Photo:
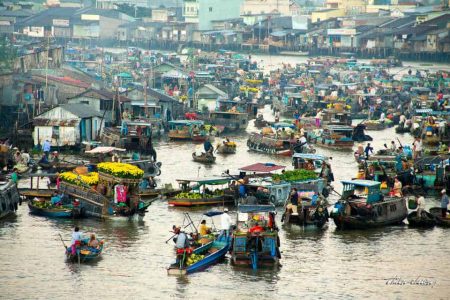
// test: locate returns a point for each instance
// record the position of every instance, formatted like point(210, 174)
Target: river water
point(329, 264)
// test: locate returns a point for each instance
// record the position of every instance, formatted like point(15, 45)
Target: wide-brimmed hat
point(443, 191)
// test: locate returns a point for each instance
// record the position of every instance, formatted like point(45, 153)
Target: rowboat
point(226, 148)
point(84, 253)
point(426, 221)
point(203, 158)
point(212, 253)
point(440, 221)
point(44, 208)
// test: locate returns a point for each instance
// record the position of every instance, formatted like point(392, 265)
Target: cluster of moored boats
point(314, 105)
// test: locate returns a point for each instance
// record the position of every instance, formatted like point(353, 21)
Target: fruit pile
point(199, 195)
point(194, 258)
point(42, 204)
point(295, 175)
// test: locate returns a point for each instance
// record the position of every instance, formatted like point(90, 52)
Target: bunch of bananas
point(189, 196)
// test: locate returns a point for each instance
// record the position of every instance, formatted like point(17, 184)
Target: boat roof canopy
point(282, 124)
point(362, 182)
point(103, 149)
point(262, 168)
point(206, 180)
point(255, 208)
point(310, 156)
point(213, 213)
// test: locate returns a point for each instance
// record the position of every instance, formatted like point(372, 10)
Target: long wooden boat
point(203, 158)
point(335, 137)
point(229, 148)
point(308, 215)
point(369, 209)
point(84, 253)
point(43, 208)
point(440, 221)
point(212, 253)
point(9, 198)
point(426, 221)
point(260, 248)
point(188, 202)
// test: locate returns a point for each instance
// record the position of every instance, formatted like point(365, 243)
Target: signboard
point(61, 22)
point(86, 17)
point(342, 31)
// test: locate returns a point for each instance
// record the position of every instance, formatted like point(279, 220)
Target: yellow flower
point(120, 170)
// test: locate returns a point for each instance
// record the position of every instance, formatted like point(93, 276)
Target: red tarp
point(262, 168)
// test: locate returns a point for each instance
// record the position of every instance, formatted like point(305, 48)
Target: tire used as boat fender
point(272, 199)
point(379, 210)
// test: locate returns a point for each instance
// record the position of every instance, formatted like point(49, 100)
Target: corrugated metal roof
point(81, 110)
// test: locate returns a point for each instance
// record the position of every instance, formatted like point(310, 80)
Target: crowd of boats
point(314, 106)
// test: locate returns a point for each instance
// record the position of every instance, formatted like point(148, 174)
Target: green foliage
point(295, 175)
point(7, 53)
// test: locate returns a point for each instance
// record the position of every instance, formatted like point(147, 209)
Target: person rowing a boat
point(208, 147)
point(77, 236)
point(182, 245)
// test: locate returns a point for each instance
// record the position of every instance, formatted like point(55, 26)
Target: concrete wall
point(217, 10)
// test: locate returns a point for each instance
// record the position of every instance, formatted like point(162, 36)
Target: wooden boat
point(402, 129)
point(336, 137)
point(9, 198)
point(369, 208)
point(440, 221)
point(44, 208)
point(426, 221)
point(203, 158)
point(85, 253)
point(211, 253)
point(308, 214)
point(226, 148)
point(255, 248)
point(377, 125)
point(202, 194)
point(187, 130)
point(260, 122)
point(231, 121)
point(36, 193)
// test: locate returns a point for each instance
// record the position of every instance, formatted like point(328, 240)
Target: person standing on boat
point(208, 147)
point(367, 150)
point(417, 148)
point(46, 147)
point(225, 223)
point(203, 229)
point(397, 190)
point(420, 205)
point(77, 236)
point(294, 202)
point(444, 203)
point(393, 146)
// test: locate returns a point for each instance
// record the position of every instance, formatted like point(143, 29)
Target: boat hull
point(206, 262)
point(203, 158)
point(440, 221)
point(198, 202)
point(54, 212)
point(427, 220)
point(9, 199)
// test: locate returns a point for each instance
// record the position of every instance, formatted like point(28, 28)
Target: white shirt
point(421, 202)
point(382, 116)
point(225, 221)
point(402, 119)
point(303, 140)
point(76, 236)
point(418, 145)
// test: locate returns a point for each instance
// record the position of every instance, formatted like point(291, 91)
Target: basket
point(110, 178)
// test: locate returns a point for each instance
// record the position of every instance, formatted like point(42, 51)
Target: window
point(106, 104)
point(210, 9)
point(55, 132)
point(85, 102)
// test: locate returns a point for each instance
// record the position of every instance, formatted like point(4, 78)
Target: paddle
point(64, 244)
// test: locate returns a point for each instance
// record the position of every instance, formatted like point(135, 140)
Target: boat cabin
point(187, 129)
point(308, 160)
point(361, 189)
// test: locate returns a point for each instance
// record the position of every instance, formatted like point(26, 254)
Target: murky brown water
point(326, 264)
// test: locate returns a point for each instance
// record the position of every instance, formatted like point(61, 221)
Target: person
point(294, 202)
point(25, 157)
point(397, 188)
point(367, 150)
point(55, 199)
point(126, 114)
point(144, 184)
point(225, 223)
point(208, 147)
point(402, 120)
point(93, 242)
point(417, 148)
point(182, 240)
point(46, 147)
point(256, 228)
point(382, 117)
point(393, 146)
point(77, 236)
point(55, 157)
point(303, 143)
point(135, 156)
point(444, 203)
point(18, 157)
point(15, 176)
point(203, 229)
point(420, 205)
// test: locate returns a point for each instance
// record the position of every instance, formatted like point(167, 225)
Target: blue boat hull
point(53, 213)
point(205, 262)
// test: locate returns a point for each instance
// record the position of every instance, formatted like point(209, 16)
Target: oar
point(64, 244)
